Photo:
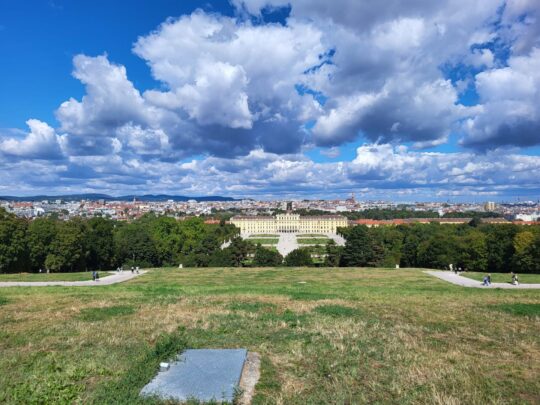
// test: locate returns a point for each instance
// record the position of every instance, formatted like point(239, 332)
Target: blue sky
point(41, 38)
point(271, 98)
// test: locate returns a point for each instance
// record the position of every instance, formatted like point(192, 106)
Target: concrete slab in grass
point(204, 375)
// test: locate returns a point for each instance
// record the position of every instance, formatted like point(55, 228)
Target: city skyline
point(272, 99)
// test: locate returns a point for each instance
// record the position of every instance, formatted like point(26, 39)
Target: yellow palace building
point(289, 223)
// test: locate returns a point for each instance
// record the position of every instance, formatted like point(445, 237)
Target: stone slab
point(204, 375)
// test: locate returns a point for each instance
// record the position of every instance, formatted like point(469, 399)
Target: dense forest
point(100, 243)
point(473, 246)
point(152, 241)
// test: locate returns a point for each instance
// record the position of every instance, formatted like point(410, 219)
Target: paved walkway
point(469, 282)
point(112, 279)
point(340, 241)
point(287, 243)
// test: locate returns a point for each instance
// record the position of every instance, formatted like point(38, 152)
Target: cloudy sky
point(415, 100)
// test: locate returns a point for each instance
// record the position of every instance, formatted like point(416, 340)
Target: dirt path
point(112, 279)
point(469, 282)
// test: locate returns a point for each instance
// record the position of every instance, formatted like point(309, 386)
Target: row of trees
point(100, 243)
point(475, 247)
point(243, 253)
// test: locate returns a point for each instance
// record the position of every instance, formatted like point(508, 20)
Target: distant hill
point(95, 196)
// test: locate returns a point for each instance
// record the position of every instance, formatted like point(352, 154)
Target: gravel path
point(112, 279)
point(469, 282)
point(287, 243)
point(340, 241)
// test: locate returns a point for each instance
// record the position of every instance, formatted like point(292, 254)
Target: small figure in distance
point(132, 269)
point(485, 281)
point(137, 269)
point(97, 276)
point(94, 275)
point(489, 278)
point(515, 280)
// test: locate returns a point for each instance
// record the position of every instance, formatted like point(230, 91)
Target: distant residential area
point(370, 213)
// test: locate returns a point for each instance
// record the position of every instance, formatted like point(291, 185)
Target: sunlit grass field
point(325, 336)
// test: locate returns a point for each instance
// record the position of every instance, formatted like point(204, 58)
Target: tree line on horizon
point(99, 243)
point(472, 247)
point(475, 246)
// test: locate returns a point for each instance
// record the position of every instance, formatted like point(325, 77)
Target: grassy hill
point(325, 336)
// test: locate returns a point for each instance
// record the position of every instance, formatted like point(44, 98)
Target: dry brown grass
point(346, 336)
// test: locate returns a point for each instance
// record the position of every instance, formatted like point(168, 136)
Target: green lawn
point(312, 241)
point(264, 235)
point(325, 336)
point(264, 241)
point(503, 277)
point(87, 275)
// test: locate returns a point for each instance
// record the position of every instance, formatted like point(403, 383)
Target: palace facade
point(289, 223)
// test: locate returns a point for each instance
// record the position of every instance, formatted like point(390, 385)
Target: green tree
point(500, 245)
point(388, 243)
point(362, 248)
point(266, 258)
point(524, 256)
point(41, 233)
point(238, 251)
point(437, 252)
point(168, 238)
point(473, 255)
point(13, 244)
point(202, 252)
point(221, 258)
point(134, 246)
point(299, 257)
point(100, 244)
point(67, 250)
point(333, 254)
point(535, 252)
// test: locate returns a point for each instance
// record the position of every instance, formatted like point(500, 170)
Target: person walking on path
point(94, 275)
point(515, 280)
point(97, 276)
point(487, 281)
